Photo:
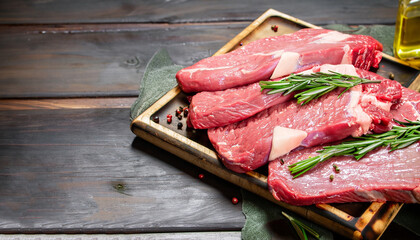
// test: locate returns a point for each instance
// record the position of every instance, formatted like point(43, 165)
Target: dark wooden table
point(68, 160)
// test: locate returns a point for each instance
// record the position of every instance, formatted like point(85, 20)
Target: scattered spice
point(241, 44)
point(331, 178)
point(281, 161)
point(235, 200)
point(200, 176)
point(169, 119)
point(274, 28)
point(336, 169)
point(156, 119)
point(179, 116)
point(179, 125)
point(185, 111)
point(178, 112)
point(391, 76)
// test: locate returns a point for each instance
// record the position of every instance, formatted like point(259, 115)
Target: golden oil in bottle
point(407, 30)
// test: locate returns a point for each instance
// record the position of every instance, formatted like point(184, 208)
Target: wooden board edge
point(375, 220)
point(251, 186)
point(415, 85)
point(267, 14)
point(397, 60)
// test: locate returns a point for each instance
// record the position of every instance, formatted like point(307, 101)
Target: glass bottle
point(407, 30)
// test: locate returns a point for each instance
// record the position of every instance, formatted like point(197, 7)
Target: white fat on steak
point(331, 37)
point(346, 69)
point(285, 140)
point(287, 64)
point(346, 57)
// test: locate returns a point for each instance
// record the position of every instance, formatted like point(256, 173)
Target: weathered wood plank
point(73, 171)
point(72, 103)
point(228, 235)
point(79, 11)
point(49, 62)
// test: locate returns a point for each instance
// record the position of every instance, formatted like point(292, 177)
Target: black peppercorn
point(391, 76)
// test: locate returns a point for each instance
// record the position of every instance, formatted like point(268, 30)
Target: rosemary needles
point(301, 228)
point(312, 86)
point(398, 137)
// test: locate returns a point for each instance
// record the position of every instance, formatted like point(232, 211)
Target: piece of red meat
point(379, 176)
point(220, 108)
point(293, 52)
point(246, 145)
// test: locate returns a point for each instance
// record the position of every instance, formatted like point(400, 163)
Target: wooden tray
point(353, 220)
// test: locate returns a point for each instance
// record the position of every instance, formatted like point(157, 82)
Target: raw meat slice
point(258, 60)
point(379, 176)
point(220, 108)
point(246, 145)
point(408, 107)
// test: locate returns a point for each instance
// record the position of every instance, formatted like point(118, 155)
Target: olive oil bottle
point(407, 30)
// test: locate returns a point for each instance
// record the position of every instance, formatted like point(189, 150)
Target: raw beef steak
point(246, 145)
point(379, 176)
point(220, 108)
point(279, 56)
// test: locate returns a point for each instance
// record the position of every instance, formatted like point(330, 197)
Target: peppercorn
point(186, 112)
point(281, 161)
point(235, 200)
point(179, 116)
point(240, 44)
point(179, 125)
point(200, 176)
point(391, 76)
point(331, 178)
point(156, 119)
point(274, 28)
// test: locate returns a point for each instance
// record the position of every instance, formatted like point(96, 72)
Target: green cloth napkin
point(383, 33)
point(263, 218)
point(158, 79)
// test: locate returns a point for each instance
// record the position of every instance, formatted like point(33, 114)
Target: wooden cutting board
point(352, 220)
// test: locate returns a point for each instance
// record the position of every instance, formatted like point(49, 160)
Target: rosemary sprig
point(398, 137)
point(301, 228)
point(313, 85)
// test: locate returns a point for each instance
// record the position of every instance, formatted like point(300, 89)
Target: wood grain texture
point(72, 171)
point(228, 235)
point(100, 63)
point(71, 103)
point(180, 11)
